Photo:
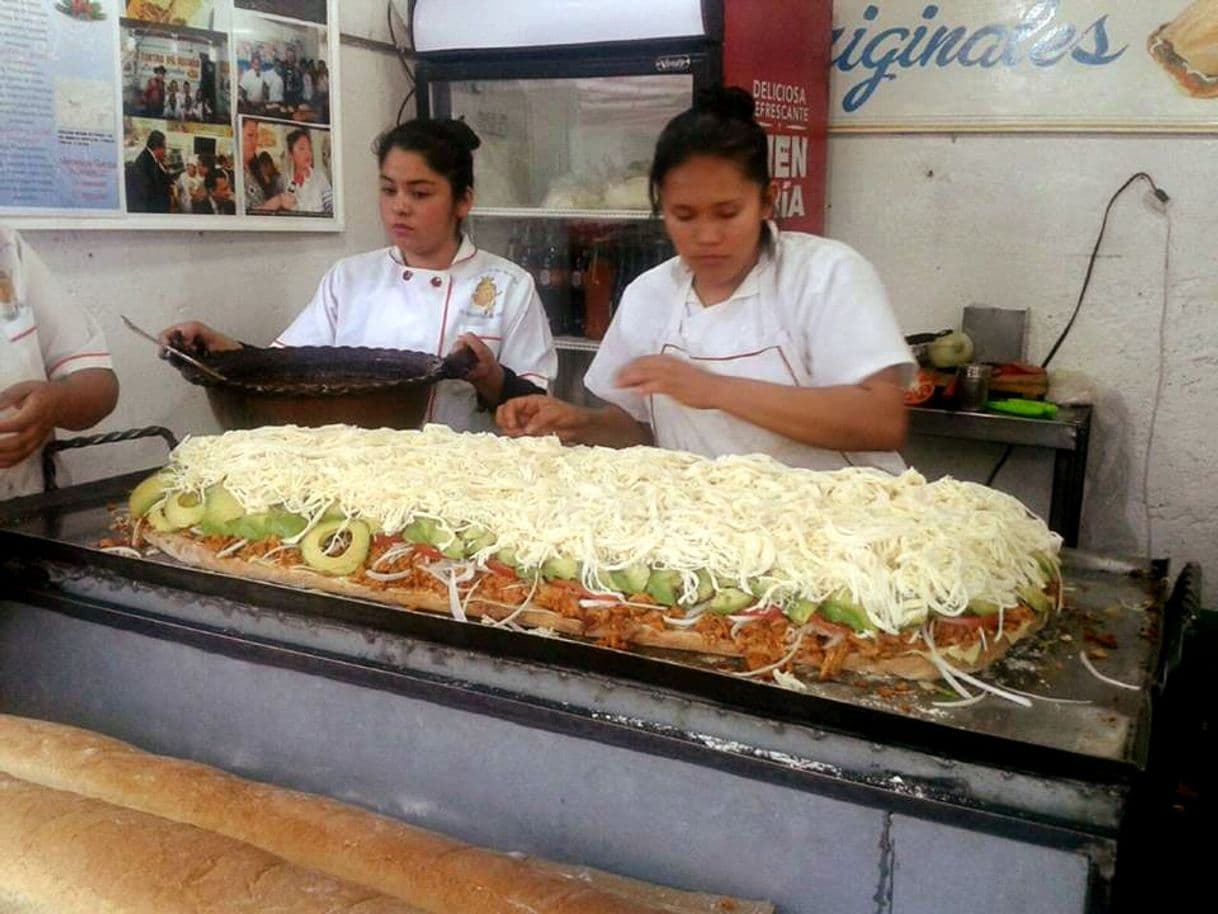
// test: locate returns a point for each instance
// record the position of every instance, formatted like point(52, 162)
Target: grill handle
point(67, 444)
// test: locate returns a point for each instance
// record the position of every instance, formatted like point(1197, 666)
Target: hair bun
point(457, 132)
point(728, 102)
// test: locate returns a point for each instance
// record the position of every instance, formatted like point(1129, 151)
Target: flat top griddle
point(1093, 731)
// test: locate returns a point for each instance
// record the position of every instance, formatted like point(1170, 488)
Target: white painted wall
point(1004, 220)
point(248, 284)
point(1010, 221)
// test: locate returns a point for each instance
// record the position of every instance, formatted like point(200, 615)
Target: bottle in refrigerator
point(598, 291)
point(513, 248)
point(629, 263)
point(552, 282)
point(576, 301)
point(526, 257)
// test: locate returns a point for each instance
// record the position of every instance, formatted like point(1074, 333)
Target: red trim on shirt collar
point(431, 399)
point(72, 358)
point(24, 333)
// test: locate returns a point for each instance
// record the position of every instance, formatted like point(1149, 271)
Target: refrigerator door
point(562, 145)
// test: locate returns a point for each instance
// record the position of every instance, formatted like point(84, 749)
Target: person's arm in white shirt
point(867, 416)
point(857, 358)
point(78, 401)
point(620, 423)
point(81, 390)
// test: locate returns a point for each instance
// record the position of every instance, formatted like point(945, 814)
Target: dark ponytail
point(446, 145)
point(721, 124)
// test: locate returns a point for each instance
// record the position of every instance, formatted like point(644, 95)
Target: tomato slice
point(819, 623)
point(574, 586)
point(921, 389)
point(497, 567)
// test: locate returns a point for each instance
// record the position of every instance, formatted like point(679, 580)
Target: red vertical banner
point(778, 50)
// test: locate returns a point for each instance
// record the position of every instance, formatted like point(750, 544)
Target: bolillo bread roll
point(62, 853)
point(436, 873)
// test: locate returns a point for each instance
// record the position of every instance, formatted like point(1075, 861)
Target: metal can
point(973, 386)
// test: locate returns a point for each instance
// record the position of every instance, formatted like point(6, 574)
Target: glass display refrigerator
point(568, 98)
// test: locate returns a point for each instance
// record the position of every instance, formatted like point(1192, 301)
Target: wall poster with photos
point(171, 114)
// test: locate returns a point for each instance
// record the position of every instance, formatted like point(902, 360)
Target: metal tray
point(1117, 606)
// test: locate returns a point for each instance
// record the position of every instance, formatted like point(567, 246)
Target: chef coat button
point(406, 274)
point(437, 281)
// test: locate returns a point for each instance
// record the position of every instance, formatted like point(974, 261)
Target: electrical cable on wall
point(404, 51)
point(1158, 399)
point(1163, 198)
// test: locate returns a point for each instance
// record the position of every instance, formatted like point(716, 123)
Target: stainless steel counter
point(1068, 436)
point(839, 800)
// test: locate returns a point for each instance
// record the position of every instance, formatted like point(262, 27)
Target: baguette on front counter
point(430, 871)
point(63, 853)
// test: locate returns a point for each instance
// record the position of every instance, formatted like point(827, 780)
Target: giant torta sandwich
point(792, 571)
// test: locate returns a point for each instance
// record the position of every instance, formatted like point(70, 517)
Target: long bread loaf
point(63, 853)
point(431, 871)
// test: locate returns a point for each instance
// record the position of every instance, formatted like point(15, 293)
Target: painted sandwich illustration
point(1187, 47)
point(793, 573)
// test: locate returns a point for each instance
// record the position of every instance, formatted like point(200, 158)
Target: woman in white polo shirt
point(55, 369)
point(751, 340)
point(432, 290)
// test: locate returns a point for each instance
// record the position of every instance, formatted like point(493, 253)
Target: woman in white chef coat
point(751, 340)
point(432, 290)
point(55, 368)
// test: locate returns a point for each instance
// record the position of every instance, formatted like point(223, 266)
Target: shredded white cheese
point(899, 546)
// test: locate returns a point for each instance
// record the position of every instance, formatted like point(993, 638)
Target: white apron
point(20, 360)
point(743, 340)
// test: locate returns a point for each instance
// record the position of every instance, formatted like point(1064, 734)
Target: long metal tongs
point(188, 359)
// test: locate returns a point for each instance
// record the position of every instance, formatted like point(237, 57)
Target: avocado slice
point(183, 509)
point(313, 547)
point(1035, 598)
point(220, 508)
point(256, 527)
point(424, 531)
point(252, 527)
point(759, 587)
point(148, 493)
point(730, 600)
point(706, 586)
point(421, 531)
point(799, 611)
point(559, 567)
point(507, 557)
point(983, 607)
point(285, 524)
point(665, 586)
point(476, 539)
point(453, 548)
point(631, 579)
point(1049, 565)
point(842, 610)
point(156, 517)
